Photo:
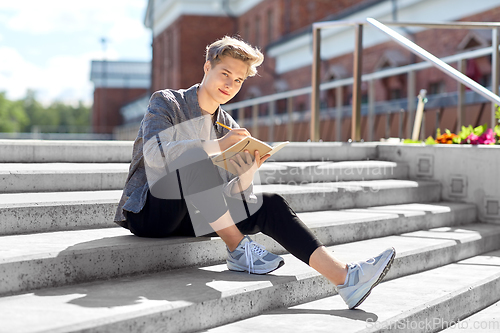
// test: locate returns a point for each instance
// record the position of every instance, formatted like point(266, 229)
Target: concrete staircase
point(65, 267)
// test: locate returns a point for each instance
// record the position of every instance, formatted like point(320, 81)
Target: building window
point(270, 26)
point(301, 107)
point(257, 31)
point(437, 88)
point(364, 98)
point(246, 31)
point(170, 50)
point(485, 80)
point(395, 94)
point(288, 16)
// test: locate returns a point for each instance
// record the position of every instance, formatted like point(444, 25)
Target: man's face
point(225, 79)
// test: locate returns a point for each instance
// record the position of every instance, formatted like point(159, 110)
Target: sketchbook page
point(250, 143)
point(278, 147)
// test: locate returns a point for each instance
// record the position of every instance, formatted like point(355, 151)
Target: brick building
point(116, 83)
point(282, 29)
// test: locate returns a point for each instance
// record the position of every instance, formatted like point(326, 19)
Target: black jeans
point(271, 215)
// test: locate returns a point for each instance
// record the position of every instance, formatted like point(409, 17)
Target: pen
point(227, 127)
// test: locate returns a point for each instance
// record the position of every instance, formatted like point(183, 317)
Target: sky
point(48, 45)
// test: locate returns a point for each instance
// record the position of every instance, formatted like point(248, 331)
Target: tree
point(25, 114)
point(13, 117)
point(39, 116)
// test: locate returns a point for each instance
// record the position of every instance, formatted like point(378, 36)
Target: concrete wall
point(467, 173)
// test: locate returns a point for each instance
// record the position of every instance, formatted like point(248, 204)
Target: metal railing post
point(255, 120)
point(495, 71)
point(437, 121)
point(316, 63)
point(289, 125)
point(356, 93)
point(272, 111)
point(371, 108)
point(423, 129)
point(338, 121)
point(412, 95)
point(400, 123)
point(461, 66)
point(388, 118)
point(241, 115)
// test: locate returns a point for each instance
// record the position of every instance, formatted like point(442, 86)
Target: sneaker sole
point(382, 275)
point(256, 272)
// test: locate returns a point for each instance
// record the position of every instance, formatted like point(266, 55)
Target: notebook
point(249, 143)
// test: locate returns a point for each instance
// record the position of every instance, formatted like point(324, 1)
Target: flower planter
point(468, 173)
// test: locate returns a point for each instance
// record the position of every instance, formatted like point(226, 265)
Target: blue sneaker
point(253, 258)
point(363, 276)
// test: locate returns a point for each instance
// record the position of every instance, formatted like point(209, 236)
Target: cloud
point(126, 29)
point(43, 17)
point(13, 71)
point(64, 78)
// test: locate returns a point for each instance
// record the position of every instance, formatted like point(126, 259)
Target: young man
point(174, 189)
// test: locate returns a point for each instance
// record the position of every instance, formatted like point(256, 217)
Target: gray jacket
point(166, 110)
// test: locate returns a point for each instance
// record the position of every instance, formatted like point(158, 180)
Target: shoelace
point(357, 264)
point(257, 248)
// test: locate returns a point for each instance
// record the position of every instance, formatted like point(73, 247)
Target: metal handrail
point(356, 102)
point(445, 25)
point(349, 81)
point(357, 78)
point(440, 25)
point(438, 63)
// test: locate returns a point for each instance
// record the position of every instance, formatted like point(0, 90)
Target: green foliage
point(466, 131)
point(13, 117)
point(430, 141)
point(411, 141)
point(480, 129)
point(497, 127)
point(457, 139)
point(69, 116)
point(25, 114)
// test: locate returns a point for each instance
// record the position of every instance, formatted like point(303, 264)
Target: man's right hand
point(233, 136)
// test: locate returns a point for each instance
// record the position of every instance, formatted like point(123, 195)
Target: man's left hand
point(246, 167)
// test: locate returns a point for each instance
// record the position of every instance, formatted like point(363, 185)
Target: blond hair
point(237, 49)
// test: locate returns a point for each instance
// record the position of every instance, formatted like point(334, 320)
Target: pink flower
point(472, 139)
point(487, 137)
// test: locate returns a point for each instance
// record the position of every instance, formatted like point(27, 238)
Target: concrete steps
point(61, 177)
point(199, 298)
point(484, 321)
point(58, 258)
point(428, 301)
point(22, 213)
point(310, 172)
point(43, 151)
point(355, 194)
point(60, 250)
point(55, 211)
